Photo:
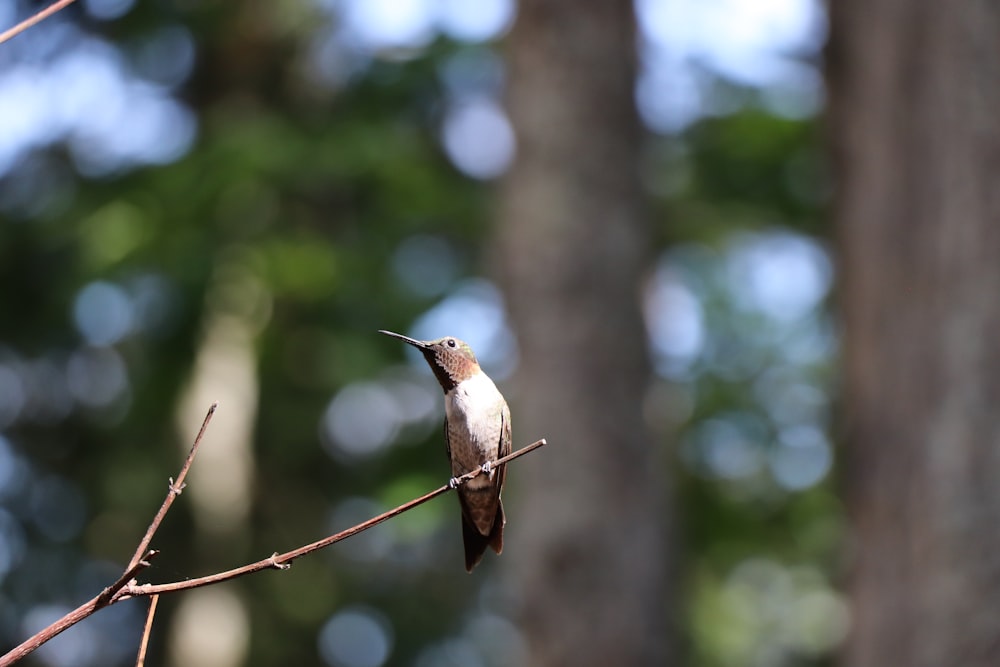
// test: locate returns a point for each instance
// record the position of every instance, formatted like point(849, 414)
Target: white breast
point(474, 410)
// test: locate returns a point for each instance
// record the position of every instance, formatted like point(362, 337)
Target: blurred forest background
point(624, 209)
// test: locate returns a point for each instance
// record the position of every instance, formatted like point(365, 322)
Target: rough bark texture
point(915, 93)
point(586, 537)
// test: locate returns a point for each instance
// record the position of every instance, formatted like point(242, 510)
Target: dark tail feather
point(476, 543)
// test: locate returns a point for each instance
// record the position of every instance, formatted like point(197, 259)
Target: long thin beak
point(406, 339)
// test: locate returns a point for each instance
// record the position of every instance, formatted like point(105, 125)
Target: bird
point(477, 432)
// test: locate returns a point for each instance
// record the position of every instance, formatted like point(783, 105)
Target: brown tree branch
point(32, 20)
point(283, 561)
point(125, 588)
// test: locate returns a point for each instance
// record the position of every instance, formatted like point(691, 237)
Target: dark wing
point(447, 440)
point(504, 446)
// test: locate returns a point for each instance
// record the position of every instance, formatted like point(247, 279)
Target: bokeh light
point(765, 613)
point(58, 508)
point(475, 21)
point(102, 313)
point(770, 46)
point(747, 308)
point(779, 274)
point(358, 421)
point(479, 139)
point(365, 418)
point(72, 87)
point(107, 10)
point(356, 637)
point(675, 321)
point(802, 458)
point(389, 24)
point(97, 377)
point(749, 311)
point(728, 446)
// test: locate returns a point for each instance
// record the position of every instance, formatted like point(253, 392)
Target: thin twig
point(174, 489)
point(283, 561)
point(140, 659)
point(32, 20)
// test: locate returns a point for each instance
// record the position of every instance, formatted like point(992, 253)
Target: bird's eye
point(451, 342)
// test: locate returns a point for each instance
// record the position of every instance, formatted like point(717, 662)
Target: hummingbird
point(476, 432)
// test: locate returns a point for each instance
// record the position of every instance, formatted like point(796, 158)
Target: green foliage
point(760, 558)
point(286, 213)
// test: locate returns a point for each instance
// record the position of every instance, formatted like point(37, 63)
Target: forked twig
point(139, 562)
point(128, 576)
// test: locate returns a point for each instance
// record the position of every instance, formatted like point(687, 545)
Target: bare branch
point(139, 562)
point(32, 20)
point(283, 561)
point(125, 587)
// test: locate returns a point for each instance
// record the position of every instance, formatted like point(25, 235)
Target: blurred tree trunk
point(587, 524)
point(915, 91)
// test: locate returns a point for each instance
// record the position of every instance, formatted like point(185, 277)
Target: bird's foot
point(453, 483)
point(487, 467)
